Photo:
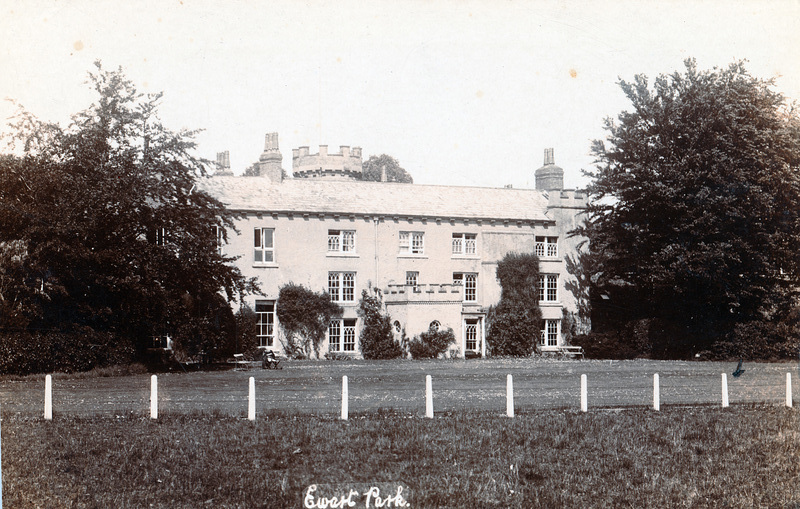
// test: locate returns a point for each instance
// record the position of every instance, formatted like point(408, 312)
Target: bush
point(759, 340)
point(376, 339)
point(512, 330)
point(606, 345)
point(431, 344)
point(25, 352)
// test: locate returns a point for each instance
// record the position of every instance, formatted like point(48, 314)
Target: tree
point(376, 339)
point(695, 208)
point(304, 316)
point(116, 236)
point(373, 168)
point(514, 325)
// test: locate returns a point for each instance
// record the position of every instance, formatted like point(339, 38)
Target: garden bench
point(572, 351)
point(240, 361)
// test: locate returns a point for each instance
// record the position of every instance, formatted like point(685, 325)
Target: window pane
point(348, 241)
point(334, 332)
point(348, 286)
point(457, 244)
point(470, 244)
point(333, 285)
point(267, 237)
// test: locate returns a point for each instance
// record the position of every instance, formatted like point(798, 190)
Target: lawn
point(102, 450)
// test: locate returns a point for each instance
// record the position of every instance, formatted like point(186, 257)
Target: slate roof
point(256, 194)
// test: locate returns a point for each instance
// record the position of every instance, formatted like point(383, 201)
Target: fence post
point(656, 393)
point(789, 390)
point(584, 395)
point(48, 397)
point(251, 400)
point(724, 390)
point(509, 396)
point(345, 398)
point(153, 397)
point(428, 397)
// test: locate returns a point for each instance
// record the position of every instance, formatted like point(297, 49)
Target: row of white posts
point(251, 400)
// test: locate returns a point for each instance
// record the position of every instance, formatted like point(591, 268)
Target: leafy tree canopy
point(372, 168)
point(695, 209)
point(105, 225)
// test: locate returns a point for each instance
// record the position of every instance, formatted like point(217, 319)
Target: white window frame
point(465, 244)
point(548, 287)
point(342, 335)
point(470, 282)
point(265, 325)
point(342, 286)
point(546, 247)
point(342, 241)
point(412, 243)
point(412, 278)
point(551, 333)
point(263, 254)
point(471, 334)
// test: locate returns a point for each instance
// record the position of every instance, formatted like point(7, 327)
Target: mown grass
point(742, 456)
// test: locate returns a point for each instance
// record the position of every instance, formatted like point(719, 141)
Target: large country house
point(432, 251)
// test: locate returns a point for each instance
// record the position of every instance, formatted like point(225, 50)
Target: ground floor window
point(550, 332)
point(265, 326)
point(342, 335)
point(471, 333)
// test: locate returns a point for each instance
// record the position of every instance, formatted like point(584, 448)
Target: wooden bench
point(240, 361)
point(572, 351)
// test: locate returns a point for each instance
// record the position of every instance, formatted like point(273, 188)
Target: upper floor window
point(264, 245)
point(470, 282)
point(465, 244)
point(342, 286)
point(219, 238)
point(412, 243)
point(341, 241)
point(548, 288)
point(265, 326)
point(546, 247)
point(412, 278)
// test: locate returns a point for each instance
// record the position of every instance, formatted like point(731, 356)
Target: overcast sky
point(465, 93)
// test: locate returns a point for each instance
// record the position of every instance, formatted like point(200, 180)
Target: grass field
point(101, 449)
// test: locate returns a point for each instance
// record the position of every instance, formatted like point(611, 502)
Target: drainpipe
point(375, 222)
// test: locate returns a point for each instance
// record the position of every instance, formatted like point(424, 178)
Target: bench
point(572, 351)
point(240, 361)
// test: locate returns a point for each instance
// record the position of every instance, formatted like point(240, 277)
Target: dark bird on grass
point(739, 369)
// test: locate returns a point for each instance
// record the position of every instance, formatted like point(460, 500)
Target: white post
point(153, 397)
point(345, 397)
point(656, 395)
point(251, 400)
point(789, 390)
point(584, 395)
point(48, 397)
point(509, 396)
point(428, 397)
point(724, 390)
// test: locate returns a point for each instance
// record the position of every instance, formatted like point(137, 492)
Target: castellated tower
point(224, 164)
point(269, 164)
point(344, 165)
point(549, 177)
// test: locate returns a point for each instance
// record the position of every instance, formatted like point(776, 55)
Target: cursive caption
point(338, 499)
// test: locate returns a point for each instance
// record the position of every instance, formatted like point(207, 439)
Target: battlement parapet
point(567, 198)
point(345, 164)
point(445, 292)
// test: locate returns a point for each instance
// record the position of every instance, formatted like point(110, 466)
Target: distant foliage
point(514, 325)
point(305, 317)
point(432, 343)
point(376, 339)
point(373, 168)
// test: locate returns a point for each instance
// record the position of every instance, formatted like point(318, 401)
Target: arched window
point(397, 327)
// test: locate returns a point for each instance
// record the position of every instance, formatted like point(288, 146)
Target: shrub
point(431, 344)
point(608, 345)
point(759, 340)
point(515, 324)
point(304, 316)
point(25, 352)
point(512, 330)
point(376, 339)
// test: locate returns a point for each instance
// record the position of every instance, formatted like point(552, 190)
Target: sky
point(459, 92)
